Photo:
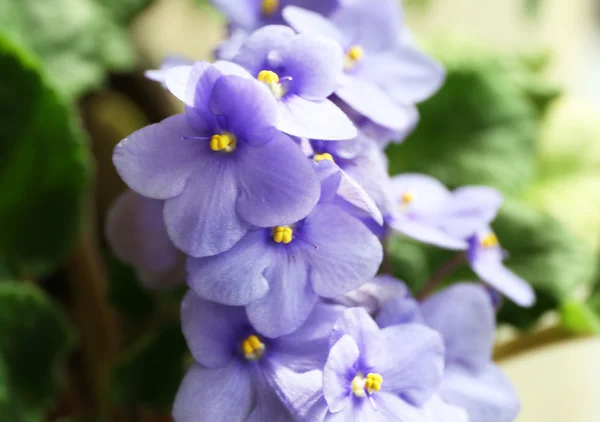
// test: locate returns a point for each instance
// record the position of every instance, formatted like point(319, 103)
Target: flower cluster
point(270, 198)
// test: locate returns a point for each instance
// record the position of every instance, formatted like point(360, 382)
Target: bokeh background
point(81, 340)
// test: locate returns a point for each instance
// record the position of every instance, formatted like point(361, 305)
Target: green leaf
point(44, 168)
point(481, 127)
point(126, 293)
point(579, 317)
point(77, 40)
point(36, 337)
point(151, 371)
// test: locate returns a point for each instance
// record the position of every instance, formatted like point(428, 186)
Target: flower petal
point(347, 253)
point(427, 233)
point(234, 277)
point(210, 392)
point(413, 362)
point(393, 408)
point(305, 21)
point(485, 395)
point(427, 194)
point(354, 194)
point(210, 329)
point(277, 183)
point(264, 42)
point(357, 323)
point(314, 119)
point(338, 373)
point(243, 14)
point(399, 310)
point(157, 161)
point(290, 299)
point(202, 220)
point(440, 411)
point(463, 314)
point(374, 294)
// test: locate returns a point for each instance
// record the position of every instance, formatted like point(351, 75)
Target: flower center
point(271, 79)
point(253, 348)
point(490, 240)
point(225, 142)
point(269, 7)
point(353, 55)
point(282, 234)
point(405, 200)
point(324, 156)
point(361, 386)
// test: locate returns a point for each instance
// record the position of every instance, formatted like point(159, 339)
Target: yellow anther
point(269, 7)
point(282, 234)
point(490, 240)
point(223, 142)
point(373, 382)
point(324, 156)
point(407, 198)
point(253, 348)
point(353, 55)
point(268, 76)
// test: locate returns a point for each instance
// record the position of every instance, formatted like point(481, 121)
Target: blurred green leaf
point(579, 317)
point(35, 338)
point(151, 371)
point(126, 293)
point(482, 126)
point(44, 166)
point(77, 40)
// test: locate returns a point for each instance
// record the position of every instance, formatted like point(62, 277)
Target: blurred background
point(81, 340)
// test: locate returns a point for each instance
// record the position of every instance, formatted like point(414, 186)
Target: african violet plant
point(270, 198)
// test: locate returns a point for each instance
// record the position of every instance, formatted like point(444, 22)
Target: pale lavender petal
point(277, 183)
point(358, 411)
point(158, 75)
point(244, 14)
point(374, 294)
point(399, 310)
point(354, 194)
point(210, 392)
point(347, 254)
point(427, 194)
point(439, 411)
point(230, 47)
point(202, 220)
point(314, 119)
point(392, 408)
point(463, 314)
point(339, 372)
point(177, 78)
point(231, 68)
point(263, 48)
point(211, 330)
point(485, 395)
point(157, 161)
point(234, 277)
point(290, 299)
point(357, 323)
point(315, 64)
point(426, 232)
point(305, 21)
point(201, 82)
point(413, 363)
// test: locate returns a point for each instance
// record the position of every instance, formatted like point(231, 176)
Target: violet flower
point(137, 234)
point(485, 256)
point(384, 73)
point(222, 167)
point(301, 71)
point(278, 273)
point(239, 373)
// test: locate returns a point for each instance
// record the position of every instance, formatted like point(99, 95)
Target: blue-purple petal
point(338, 373)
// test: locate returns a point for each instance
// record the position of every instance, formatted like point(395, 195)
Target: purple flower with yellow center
point(465, 317)
point(278, 273)
point(253, 14)
point(301, 71)
point(485, 256)
point(239, 373)
point(136, 232)
point(374, 374)
point(423, 208)
point(384, 72)
point(222, 167)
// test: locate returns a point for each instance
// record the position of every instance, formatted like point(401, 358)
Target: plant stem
point(445, 270)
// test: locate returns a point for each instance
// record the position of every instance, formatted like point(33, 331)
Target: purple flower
point(464, 315)
point(170, 62)
point(278, 273)
point(253, 14)
point(380, 375)
point(384, 73)
point(240, 374)
point(222, 167)
point(423, 208)
point(485, 256)
point(137, 234)
point(301, 71)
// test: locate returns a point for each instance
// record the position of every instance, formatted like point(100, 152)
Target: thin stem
point(444, 271)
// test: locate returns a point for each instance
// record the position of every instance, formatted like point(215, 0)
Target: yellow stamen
point(253, 348)
point(354, 54)
point(282, 234)
point(490, 240)
point(268, 76)
point(361, 385)
point(223, 142)
point(324, 156)
point(269, 7)
point(373, 382)
point(407, 198)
